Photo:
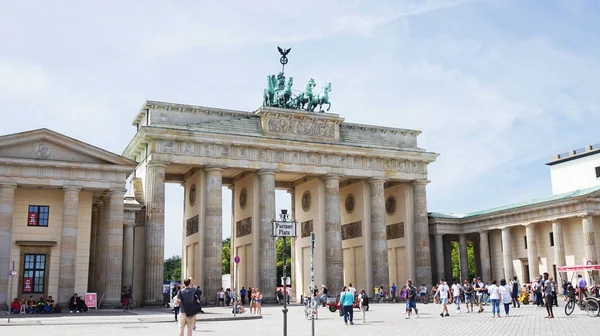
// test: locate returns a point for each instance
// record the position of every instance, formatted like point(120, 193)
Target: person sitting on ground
point(51, 306)
point(31, 304)
point(24, 308)
point(239, 308)
point(15, 306)
point(40, 305)
point(74, 303)
point(81, 304)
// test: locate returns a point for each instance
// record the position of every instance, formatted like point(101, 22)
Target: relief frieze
point(243, 227)
point(301, 127)
point(394, 231)
point(307, 228)
point(191, 226)
point(352, 230)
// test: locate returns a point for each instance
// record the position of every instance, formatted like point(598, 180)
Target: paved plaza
point(383, 319)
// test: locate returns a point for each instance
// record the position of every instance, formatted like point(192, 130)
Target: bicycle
point(588, 304)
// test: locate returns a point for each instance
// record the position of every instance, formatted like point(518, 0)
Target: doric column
point(100, 257)
point(333, 234)
point(68, 244)
point(463, 260)
point(439, 256)
point(267, 262)
point(559, 246)
point(93, 244)
point(484, 252)
point(421, 231)
point(532, 256)
point(155, 230)
point(114, 247)
point(128, 245)
point(409, 233)
point(379, 257)
point(213, 232)
point(589, 239)
point(7, 199)
point(507, 253)
point(292, 193)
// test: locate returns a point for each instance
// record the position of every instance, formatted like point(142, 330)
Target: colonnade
point(508, 249)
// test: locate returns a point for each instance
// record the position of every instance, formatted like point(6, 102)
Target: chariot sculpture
point(279, 93)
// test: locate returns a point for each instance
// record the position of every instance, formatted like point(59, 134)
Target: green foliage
point(455, 257)
point(226, 256)
point(172, 269)
point(288, 258)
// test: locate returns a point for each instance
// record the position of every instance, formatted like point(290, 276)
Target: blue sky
point(496, 86)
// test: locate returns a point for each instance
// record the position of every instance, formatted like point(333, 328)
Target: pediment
point(44, 144)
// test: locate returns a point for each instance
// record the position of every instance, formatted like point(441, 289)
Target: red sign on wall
point(90, 300)
point(27, 285)
point(32, 218)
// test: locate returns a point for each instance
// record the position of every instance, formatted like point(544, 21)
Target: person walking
point(494, 293)
point(243, 295)
point(393, 292)
point(468, 290)
point(547, 288)
point(506, 296)
point(456, 294)
point(364, 304)
point(411, 299)
point(443, 292)
point(554, 292)
point(189, 301)
point(346, 302)
point(515, 293)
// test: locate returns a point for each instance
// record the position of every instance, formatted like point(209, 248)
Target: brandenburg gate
point(360, 188)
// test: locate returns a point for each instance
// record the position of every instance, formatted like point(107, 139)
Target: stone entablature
point(548, 212)
point(275, 122)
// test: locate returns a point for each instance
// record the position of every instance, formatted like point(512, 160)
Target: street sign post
point(284, 228)
point(12, 274)
point(236, 260)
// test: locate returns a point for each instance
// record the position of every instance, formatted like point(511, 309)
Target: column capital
point(505, 228)
point(129, 223)
point(116, 191)
point(267, 172)
point(8, 185)
point(374, 180)
point(331, 177)
point(71, 188)
point(420, 182)
point(158, 164)
point(213, 168)
point(530, 225)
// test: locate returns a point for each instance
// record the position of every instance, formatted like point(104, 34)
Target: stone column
point(439, 256)
point(421, 231)
point(589, 239)
point(409, 233)
point(7, 199)
point(559, 246)
point(463, 259)
point(267, 263)
point(379, 257)
point(68, 244)
point(333, 235)
point(507, 253)
point(484, 253)
point(114, 248)
point(532, 256)
point(292, 193)
point(213, 232)
point(128, 248)
point(93, 244)
point(100, 257)
point(155, 232)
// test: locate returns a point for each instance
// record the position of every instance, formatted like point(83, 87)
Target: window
point(597, 172)
point(38, 215)
point(34, 273)
point(551, 238)
point(525, 240)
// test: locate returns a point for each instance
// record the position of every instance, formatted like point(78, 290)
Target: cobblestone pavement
point(382, 320)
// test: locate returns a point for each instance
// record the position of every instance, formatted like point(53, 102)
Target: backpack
point(365, 300)
point(190, 308)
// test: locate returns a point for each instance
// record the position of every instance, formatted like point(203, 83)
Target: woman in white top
point(505, 293)
point(495, 296)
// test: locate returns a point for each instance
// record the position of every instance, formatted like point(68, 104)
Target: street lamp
point(284, 227)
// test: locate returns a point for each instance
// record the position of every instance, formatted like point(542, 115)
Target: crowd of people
point(46, 305)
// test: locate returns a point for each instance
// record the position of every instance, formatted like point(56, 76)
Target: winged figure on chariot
point(279, 92)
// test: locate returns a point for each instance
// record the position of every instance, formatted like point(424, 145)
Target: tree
point(288, 258)
point(172, 269)
point(455, 257)
point(226, 256)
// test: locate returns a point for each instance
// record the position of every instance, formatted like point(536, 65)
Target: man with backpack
point(515, 293)
point(188, 301)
